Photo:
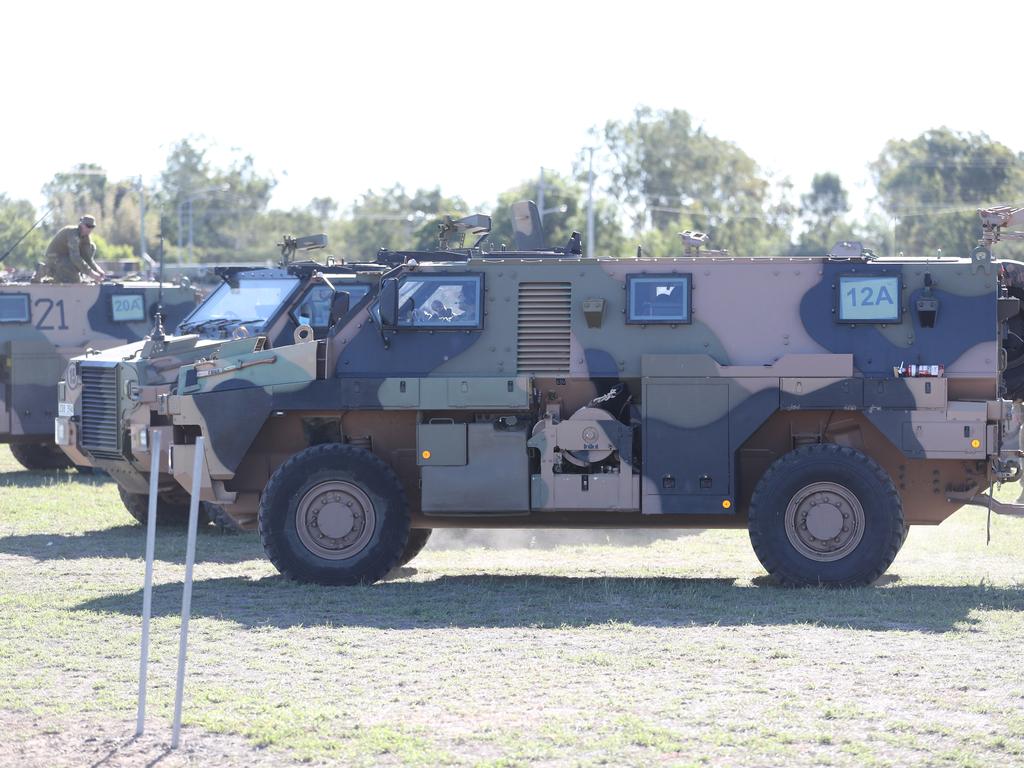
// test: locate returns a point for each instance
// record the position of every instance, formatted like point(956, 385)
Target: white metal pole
point(147, 589)
point(186, 596)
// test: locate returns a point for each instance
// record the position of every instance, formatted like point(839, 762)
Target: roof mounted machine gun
point(451, 233)
point(292, 244)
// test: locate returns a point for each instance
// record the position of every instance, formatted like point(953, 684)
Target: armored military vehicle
point(114, 400)
point(42, 326)
point(823, 403)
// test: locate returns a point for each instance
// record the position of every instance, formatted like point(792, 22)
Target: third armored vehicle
point(42, 326)
point(823, 403)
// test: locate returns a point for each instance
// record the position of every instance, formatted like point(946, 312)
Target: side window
point(314, 309)
point(661, 299)
point(440, 301)
point(127, 307)
point(14, 308)
point(868, 299)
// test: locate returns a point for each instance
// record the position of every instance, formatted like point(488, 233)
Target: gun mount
point(451, 233)
point(290, 245)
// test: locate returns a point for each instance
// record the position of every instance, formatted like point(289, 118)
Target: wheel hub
point(824, 521)
point(335, 519)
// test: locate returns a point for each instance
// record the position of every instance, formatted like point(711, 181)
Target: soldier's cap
point(89, 221)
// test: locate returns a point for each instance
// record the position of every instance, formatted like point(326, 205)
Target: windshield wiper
point(210, 322)
point(216, 324)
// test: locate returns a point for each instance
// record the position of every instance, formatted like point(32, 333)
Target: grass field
point(672, 651)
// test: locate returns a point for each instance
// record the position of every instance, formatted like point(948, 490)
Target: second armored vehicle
point(115, 399)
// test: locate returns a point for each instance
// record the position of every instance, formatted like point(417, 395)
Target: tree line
point(657, 174)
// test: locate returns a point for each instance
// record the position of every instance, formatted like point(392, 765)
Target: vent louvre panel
point(543, 328)
point(99, 425)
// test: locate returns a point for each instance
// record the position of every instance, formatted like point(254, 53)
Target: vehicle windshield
point(252, 302)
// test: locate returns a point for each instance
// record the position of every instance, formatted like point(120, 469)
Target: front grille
point(99, 426)
point(544, 328)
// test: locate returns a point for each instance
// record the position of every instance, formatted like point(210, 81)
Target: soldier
point(71, 254)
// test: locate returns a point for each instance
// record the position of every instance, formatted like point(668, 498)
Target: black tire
point(418, 538)
point(360, 500)
point(171, 507)
point(40, 456)
point(832, 490)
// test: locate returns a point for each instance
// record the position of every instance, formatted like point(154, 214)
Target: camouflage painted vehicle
point(823, 403)
point(42, 326)
point(113, 401)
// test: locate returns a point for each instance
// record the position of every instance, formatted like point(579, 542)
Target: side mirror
point(339, 307)
point(389, 303)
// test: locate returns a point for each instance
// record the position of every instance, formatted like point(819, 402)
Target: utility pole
point(142, 220)
point(181, 227)
point(590, 205)
point(541, 187)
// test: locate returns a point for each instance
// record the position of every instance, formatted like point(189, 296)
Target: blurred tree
point(391, 218)
point(16, 219)
point(323, 208)
point(230, 215)
point(673, 176)
point(932, 185)
point(566, 201)
point(79, 191)
point(224, 203)
point(268, 229)
point(821, 212)
point(562, 200)
point(88, 189)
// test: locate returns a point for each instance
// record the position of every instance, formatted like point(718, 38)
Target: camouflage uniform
point(69, 256)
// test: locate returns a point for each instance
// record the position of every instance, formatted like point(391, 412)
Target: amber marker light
point(975, 443)
point(425, 455)
point(726, 504)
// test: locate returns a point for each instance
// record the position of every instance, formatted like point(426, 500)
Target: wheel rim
point(824, 521)
point(335, 520)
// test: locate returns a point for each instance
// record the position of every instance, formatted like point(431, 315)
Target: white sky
point(474, 97)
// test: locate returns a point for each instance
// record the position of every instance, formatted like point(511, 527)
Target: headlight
point(71, 376)
point(140, 438)
point(60, 432)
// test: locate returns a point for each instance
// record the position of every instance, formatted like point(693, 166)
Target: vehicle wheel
point(38, 456)
point(334, 514)
point(222, 520)
point(826, 515)
point(418, 538)
point(171, 509)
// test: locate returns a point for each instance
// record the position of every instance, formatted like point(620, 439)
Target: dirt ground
point(72, 742)
point(503, 650)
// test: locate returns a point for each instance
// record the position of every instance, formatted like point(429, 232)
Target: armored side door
point(686, 448)
point(35, 367)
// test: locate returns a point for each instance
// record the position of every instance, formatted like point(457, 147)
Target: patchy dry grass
point(674, 651)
